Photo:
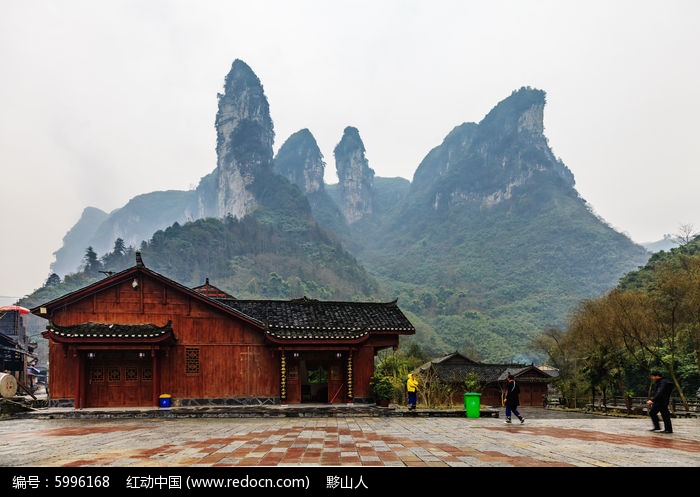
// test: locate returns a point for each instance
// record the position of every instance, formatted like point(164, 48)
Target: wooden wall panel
point(363, 369)
point(225, 371)
point(61, 375)
point(215, 329)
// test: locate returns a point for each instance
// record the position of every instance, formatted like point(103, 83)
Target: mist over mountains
point(488, 245)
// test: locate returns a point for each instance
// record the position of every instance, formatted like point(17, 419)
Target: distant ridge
point(666, 243)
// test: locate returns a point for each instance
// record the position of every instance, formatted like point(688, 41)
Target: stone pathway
point(543, 441)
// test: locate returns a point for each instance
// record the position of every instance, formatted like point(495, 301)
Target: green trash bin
point(472, 404)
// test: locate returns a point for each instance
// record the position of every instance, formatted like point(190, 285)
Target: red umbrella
point(18, 308)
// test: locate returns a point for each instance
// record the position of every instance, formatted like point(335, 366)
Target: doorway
point(316, 377)
point(315, 388)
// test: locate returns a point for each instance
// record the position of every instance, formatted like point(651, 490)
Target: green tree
point(650, 321)
point(119, 258)
point(52, 280)
point(92, 264)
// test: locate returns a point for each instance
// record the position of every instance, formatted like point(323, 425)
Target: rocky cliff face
point(135, 222)
point(300, 161)
point(482, 164)
point(355, 177)
point(68, 257)
point(244, 138)
point(493, 218)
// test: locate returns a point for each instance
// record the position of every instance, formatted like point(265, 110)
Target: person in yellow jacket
point(412, 389)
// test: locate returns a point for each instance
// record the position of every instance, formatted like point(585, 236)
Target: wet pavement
point(548, 438)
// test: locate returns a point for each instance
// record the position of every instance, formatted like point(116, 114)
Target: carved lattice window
point(113, 374)
point(97, 375)
point(131, 374)
point(147, 374)
point(191, 361)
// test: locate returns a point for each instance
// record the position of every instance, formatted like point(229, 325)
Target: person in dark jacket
point(512, 399)
point(659, 402)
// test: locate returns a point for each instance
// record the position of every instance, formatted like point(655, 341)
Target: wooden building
point(136, 335)
point(452, 369)
point(16, 350)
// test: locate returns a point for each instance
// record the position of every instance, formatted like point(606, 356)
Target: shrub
point(472, 382)
point(381, 386)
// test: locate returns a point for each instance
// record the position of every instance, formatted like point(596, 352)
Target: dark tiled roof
point(309, 319)
point(454, 358)
point(453, 368)
point(113, 331)
point(457, 373)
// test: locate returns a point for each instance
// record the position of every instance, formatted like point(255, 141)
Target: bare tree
point(686, 234)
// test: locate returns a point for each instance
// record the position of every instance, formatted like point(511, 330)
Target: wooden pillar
point(156, 378)
point(349, 367)
point(78, 359)
point(283, 378)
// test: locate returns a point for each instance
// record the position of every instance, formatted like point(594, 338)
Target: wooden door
point(118, 379)
point(293, 384)
point(337, 390)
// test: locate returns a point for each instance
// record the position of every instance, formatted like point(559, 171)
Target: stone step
point(297, 410)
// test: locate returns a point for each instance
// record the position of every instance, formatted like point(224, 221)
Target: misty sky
point(101, 101)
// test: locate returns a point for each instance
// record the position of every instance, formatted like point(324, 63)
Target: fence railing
point(638, 405)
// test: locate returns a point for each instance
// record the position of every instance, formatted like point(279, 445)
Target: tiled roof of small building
point(310, 319)
point(453, 368)
point(91, 330)
point(458, 373)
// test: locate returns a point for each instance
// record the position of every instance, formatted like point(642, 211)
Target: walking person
point(412, 390)
point(512, 399)
point(659, 402)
